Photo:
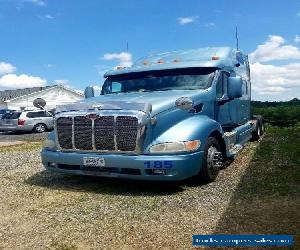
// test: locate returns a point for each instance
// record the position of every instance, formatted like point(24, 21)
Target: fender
point(197, 127)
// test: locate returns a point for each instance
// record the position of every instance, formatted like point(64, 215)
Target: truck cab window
point(222, 85)
point(245, 88)
point(164, 80)
point(116, 87)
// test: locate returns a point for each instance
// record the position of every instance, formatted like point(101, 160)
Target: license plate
point(94, 161)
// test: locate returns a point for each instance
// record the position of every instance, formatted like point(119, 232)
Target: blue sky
point(74, 42)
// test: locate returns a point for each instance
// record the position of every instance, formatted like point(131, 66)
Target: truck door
point(244, 111)
point(223, 115)
point(230, 112)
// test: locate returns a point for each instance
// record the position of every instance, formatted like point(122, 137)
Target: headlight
point(50, 144)
point(171, 147)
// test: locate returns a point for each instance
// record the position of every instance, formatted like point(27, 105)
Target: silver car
point(35, 120)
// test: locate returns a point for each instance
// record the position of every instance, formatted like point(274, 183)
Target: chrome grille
point(83, 133)
point(104, 133)
point(126, 132)
point(64, 132)
point(101, 133)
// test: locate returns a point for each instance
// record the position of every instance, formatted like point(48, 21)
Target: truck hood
point(160, 100)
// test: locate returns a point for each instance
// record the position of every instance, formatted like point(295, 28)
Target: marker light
point(160, 61)
point(171, 147)
point(215, 58)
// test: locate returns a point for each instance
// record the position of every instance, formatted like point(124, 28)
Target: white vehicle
point(37, 121)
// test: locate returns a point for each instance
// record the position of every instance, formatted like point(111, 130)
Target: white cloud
point(280, 80)
point(271, 79)
point(49, 16)
point(274, 49)
point(187, 20)
point(37, 2)
point(124, 58)
point(297, 39)
point(6, 68)
point(11, 81)
point(62, 82)
point(210, 25)
point(48, 65)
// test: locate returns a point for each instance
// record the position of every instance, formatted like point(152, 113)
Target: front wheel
point(212, 160)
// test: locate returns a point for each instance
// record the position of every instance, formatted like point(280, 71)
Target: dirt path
point(41, 210)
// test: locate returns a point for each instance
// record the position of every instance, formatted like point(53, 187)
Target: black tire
point(259, 129)
point(212, 161)
point(40, 128)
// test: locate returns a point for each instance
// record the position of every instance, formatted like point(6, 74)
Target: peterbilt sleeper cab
point(170, 116)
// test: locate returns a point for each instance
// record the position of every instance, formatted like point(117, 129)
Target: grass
point(267, 198)
point(275, 166)
point(22, 147)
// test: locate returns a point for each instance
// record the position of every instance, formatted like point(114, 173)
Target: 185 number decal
point(158, 164)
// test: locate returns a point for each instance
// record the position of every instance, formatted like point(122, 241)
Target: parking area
point(48, 210)
point(43, 210)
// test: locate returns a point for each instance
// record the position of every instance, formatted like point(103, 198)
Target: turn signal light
point(192, 145)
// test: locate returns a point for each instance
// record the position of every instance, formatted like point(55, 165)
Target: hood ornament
point(97, 106)
point(92, 116)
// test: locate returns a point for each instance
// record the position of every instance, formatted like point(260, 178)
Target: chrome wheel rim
point(214, 160)
point(40, 128)
point(259, 131)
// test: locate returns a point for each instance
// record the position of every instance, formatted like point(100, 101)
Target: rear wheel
point(40, 128)
point(212, 160)
point(259, 129)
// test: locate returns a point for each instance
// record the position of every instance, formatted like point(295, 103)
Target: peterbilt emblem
point(92, 116)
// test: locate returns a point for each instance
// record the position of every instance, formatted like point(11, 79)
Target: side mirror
point(235, 87)
point(89, 92)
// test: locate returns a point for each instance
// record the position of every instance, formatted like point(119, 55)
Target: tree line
point(281, 114)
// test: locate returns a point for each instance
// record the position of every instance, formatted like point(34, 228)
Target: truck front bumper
point(182, 167)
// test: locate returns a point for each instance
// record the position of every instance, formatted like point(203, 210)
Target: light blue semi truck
point(168, 117)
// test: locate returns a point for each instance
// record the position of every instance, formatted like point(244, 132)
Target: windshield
point(183, 79)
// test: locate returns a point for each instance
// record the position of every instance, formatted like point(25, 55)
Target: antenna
point(236, 38)
point(127, 46)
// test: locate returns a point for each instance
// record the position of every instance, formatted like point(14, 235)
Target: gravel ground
point(29, 136)
point(42, 210)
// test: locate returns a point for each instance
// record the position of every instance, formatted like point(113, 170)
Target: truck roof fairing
point(213, 57)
